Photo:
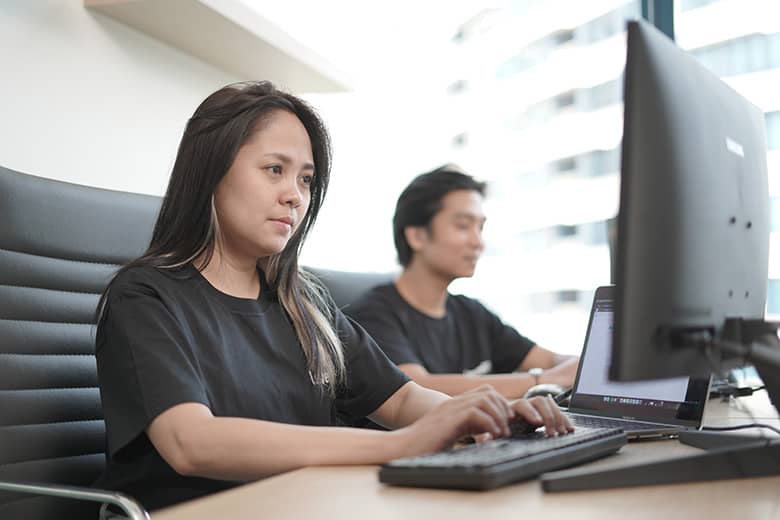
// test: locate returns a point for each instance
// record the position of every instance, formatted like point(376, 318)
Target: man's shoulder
point(461, 304)
point(465, 301)
point(383, 297)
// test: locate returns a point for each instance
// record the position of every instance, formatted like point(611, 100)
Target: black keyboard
point(502, 461)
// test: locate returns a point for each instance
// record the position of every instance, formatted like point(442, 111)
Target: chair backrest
point(60, 243)
point(345, 287)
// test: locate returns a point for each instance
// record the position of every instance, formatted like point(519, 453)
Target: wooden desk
point(355, 492)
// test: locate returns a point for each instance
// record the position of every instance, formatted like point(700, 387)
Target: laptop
point(643, 409)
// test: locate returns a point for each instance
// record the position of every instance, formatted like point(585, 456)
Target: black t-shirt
point(468, 339)
point(169, 337)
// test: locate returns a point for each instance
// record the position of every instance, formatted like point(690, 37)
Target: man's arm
point(558, 368)
point(511, 386)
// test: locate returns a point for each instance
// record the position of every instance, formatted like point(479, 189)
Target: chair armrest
point(132, 509)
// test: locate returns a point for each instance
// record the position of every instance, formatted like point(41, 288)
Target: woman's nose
point(291, 194)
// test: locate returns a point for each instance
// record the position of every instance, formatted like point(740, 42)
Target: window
point(605, 94)
point(460, 140)
point(564, 100)
point(563, 36)
point(773, 130)
point(458, 87)
point(566, 165)
point(743, 55)
point(567, 296)
point(609, 24)
point(773, 297)
point(566, 231)
point(687, 5)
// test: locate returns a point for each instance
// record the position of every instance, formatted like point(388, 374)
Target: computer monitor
point(692, 250)
point(693, 225)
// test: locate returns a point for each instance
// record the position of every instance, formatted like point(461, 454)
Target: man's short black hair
point(421, 201)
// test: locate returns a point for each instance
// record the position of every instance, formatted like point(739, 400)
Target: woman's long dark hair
point(187, 227)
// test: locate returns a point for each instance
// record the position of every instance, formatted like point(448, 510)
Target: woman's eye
point(275, 169)
point(307, 179)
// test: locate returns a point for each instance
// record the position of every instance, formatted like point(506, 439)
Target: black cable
point(561, 398)
point(742, 427)
point(729, 390)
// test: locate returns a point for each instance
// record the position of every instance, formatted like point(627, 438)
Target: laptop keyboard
point(585, 421)
point(502, 461)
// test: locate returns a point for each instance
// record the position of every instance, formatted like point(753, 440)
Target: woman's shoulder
point(148, 278)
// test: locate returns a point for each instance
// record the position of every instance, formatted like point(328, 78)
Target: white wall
point(88, 100)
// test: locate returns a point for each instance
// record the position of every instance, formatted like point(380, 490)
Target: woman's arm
point(424, 413)
point(423, 410)
point(406, 405)
point(195, 443)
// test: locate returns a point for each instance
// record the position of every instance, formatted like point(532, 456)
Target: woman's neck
point(231, 275)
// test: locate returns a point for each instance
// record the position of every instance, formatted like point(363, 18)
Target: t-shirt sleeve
point(371, 377)
point(385, 326)
point(145, 363)
point(508, 347)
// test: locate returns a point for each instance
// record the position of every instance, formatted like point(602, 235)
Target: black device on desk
point(502, 461)
point(693, 249)
point(643, 410)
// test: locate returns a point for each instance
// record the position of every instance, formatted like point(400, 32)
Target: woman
point(219, 361)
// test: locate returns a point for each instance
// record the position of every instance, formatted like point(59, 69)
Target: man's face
point(452, 244)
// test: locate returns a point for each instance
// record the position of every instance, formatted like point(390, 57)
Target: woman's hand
point(539, 411)
point(482, 411)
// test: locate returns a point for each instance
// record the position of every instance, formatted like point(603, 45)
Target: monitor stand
point(728, 456)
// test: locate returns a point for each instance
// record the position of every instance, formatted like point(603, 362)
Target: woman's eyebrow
point(288, 160)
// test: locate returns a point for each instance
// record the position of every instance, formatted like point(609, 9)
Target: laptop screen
point(675, 401)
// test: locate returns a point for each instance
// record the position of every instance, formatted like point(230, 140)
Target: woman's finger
point(476, 421)
point(495, 408)
point(528, 412)
point(564, 424)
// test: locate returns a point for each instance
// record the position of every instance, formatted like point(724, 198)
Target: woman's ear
point(416, 236)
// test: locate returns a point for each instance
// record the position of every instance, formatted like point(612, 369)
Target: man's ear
point(416, 236)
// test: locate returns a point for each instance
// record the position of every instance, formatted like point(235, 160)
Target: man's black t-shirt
point(169, 337)
point(468, 339)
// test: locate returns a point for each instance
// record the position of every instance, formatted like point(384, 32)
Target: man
point(447, 342)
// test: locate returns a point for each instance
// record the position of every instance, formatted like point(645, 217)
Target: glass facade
point(541, 121)
point(750, 53)
point(773, 298)
point(773, 130)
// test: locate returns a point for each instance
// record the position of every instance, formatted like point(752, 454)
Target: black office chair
point(60, 244)
point(345, 287)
